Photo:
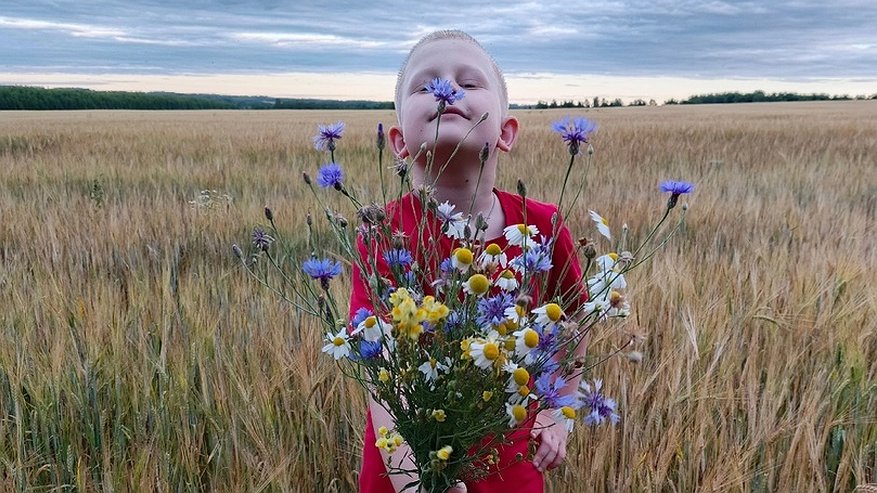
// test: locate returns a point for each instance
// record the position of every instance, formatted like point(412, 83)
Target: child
point(457, 57)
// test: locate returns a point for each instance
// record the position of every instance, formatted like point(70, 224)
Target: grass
point(136, 356)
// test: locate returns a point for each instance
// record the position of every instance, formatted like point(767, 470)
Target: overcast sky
point(352, 49)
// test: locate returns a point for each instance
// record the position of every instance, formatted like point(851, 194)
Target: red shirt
point(565, 277)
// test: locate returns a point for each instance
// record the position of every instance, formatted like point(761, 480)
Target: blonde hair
point(453, 34)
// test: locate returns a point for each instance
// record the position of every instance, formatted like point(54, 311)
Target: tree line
point(38, 98)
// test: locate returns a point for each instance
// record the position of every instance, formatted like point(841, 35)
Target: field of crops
point(136, 355)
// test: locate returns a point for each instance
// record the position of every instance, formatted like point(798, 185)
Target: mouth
point(450, 110)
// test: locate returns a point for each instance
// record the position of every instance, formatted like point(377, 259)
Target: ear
point(397, 143)
point(508, 134)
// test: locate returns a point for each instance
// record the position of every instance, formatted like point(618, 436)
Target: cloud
point(783, 39)
point(77, 30)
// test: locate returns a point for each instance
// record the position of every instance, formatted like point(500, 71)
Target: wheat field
point(136, 355)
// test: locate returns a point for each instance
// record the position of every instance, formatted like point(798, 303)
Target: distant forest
point(38, 98)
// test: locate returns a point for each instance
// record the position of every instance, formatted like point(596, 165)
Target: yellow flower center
point(604, 221)
point(568, 412)
point(522, 376)
point(371, 322)
point(479, 284)
point(486, 395)
point(338, 341)
point(432, 362)
point(519, 413)
point(510, 344)
point(444, 453)
point(507, 274)
point(613, 256)
point(522, 228)
point(493, 249)
point(384, 375)
point(531, 338)
point(502, 329)
point(463, 255)
point(491, 351)
point(523, 391)
point(553, 312)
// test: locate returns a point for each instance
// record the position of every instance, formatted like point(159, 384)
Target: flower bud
point(268, 214)
point(589, 251)
point(485, 153)
point(522, 189)
point(307, 177)
point(635, 356)
point(309, 220)
point(590, 150)
point(237, 251)
point(381, 140)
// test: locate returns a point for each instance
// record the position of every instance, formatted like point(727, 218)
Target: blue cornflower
point(359, 317)
point(549, 392)
point(454, 321)
point(261, 239)
point(331, 175)
point(369, 349)
point(601, 407)
point(327, 135)
point(398, 257)
point(324, 270)
point(491, 311)
point(533, 260)
point(675, 189)
point(574, 131)
point(447, 266)
point(443, 92)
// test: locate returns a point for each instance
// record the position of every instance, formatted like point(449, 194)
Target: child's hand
point(458, 488)
point(552, 441)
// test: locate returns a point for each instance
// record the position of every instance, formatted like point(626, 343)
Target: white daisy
point(484, 352)
point(373, 329)
point(492, 256)
point(606, 262)
point(517, 413)
point(520, 234)
point(525, 341)
point(477, 284)
point(565, 416)
point(603, 282)
point(431, 369)
point(338, 344)
point(507, 280)
point(462, 259)
point(550, 313)
point(602, 224)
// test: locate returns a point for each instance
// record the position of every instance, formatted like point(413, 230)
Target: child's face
point(467, 67)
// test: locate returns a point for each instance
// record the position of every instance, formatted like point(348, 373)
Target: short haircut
point(452, 34)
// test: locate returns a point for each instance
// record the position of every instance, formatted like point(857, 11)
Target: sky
point(345, 49)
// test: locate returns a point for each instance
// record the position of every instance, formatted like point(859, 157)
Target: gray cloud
point(685, 38)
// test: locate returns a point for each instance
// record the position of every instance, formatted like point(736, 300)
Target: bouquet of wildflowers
point(460, 349)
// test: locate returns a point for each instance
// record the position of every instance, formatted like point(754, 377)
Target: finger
point(458, 488)
point(559, 458)
point(545, 453)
